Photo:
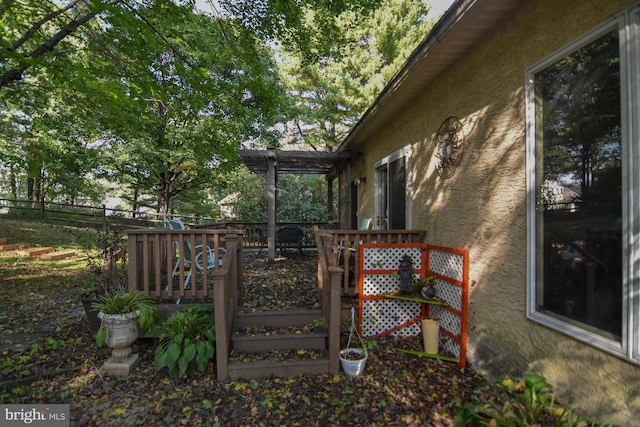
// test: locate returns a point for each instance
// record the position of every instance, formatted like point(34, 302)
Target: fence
point(255, 233)
point(98, 217)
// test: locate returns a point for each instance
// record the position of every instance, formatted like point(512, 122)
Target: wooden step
point(278, 319)
point(55, 256)
point(14, 246)
point(265, 369)
point(261, 342)
point(34, 252)
point(265, 337)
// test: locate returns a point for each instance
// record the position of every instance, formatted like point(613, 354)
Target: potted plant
point(425, 287)
point(187, 341)
point(122, 313)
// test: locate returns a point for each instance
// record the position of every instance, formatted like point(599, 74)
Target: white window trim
point(631, 227)
point(405, 152)
point(628, 24)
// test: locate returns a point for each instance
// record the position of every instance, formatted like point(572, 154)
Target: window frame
point(404, 152)
point(628, 26)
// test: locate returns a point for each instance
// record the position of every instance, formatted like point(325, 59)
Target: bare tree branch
point(35, 27)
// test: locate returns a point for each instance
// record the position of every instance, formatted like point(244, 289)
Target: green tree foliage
point(189, 106)
point(171, 93)
point(36, 32)
point(581, 117)
point(248, 194)
point(311, 28)
point(328, 96)
point(302, 198)
point(165, 96)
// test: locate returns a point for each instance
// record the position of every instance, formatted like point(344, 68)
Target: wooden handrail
point(345, 252)
point(152, 260)
point(329, 280)
point(159, 259)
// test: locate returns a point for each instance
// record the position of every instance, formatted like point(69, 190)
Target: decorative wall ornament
point(450, 146)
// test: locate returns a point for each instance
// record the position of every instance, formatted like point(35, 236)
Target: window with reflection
point(579, 187)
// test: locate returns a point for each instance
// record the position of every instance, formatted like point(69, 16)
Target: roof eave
point(461, 26)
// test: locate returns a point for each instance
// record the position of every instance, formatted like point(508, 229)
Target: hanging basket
point(353, 360)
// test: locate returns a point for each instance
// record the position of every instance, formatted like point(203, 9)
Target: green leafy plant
point(523, 402)
point(418, 284)
point(188, 340)
point(135, 305)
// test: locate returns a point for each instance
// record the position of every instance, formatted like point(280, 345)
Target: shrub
point(528, 401)
point(188, 340)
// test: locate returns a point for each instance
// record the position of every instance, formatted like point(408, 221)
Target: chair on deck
point(366, 224)
point(290, 236)
point(184, 254)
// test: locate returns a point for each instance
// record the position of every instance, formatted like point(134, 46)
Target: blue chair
point(183, 255)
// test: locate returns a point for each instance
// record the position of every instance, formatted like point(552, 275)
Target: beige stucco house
point(514, 131)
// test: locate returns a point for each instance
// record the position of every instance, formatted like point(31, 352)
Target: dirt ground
point(49, 356)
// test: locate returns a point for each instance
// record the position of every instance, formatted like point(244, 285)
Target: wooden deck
point(153, 257)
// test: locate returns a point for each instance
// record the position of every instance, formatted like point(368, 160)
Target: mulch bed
point(60, 366)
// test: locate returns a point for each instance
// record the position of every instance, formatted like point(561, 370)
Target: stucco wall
point(483, 207)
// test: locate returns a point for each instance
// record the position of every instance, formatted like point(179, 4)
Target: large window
point(582, 142)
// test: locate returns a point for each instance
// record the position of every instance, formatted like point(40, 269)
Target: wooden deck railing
point(344, 251)
point(329, 280)
point(152, 258)
point(255, 233)
point(155, 253)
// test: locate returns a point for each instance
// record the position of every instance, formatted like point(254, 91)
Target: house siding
point(483, 205)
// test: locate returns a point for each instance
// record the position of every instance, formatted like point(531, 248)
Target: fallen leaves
point(395, 388)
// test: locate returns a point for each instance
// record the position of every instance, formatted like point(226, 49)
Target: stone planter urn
point(121, 332)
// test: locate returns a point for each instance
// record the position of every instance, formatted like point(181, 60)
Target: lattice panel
point(385, 313)
point(388, 257)
point(448, 320)
point(446, 263)
point(447, 345)
point(380, 316)
point(450, 293)
point(376, 284)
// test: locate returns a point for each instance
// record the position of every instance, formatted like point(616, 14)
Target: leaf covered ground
point(49, 356)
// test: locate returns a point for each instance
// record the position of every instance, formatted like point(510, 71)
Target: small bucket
point(353, 367)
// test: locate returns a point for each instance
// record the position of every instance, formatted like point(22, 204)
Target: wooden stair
point(276, 333)
point(25, 250)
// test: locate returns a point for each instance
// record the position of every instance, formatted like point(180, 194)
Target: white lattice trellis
point(384, 314)
point(378, 276)
point(381, 316)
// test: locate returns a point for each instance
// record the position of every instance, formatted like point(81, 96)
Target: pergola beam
point(273, 162)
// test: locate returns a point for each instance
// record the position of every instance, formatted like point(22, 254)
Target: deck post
point(335, 307)
point(271, 203)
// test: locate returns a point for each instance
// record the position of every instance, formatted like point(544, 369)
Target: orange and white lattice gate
point(383, 312)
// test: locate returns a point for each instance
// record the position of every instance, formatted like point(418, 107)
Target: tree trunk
point(135, 202)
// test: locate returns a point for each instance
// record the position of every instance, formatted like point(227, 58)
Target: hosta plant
point(188, 340)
